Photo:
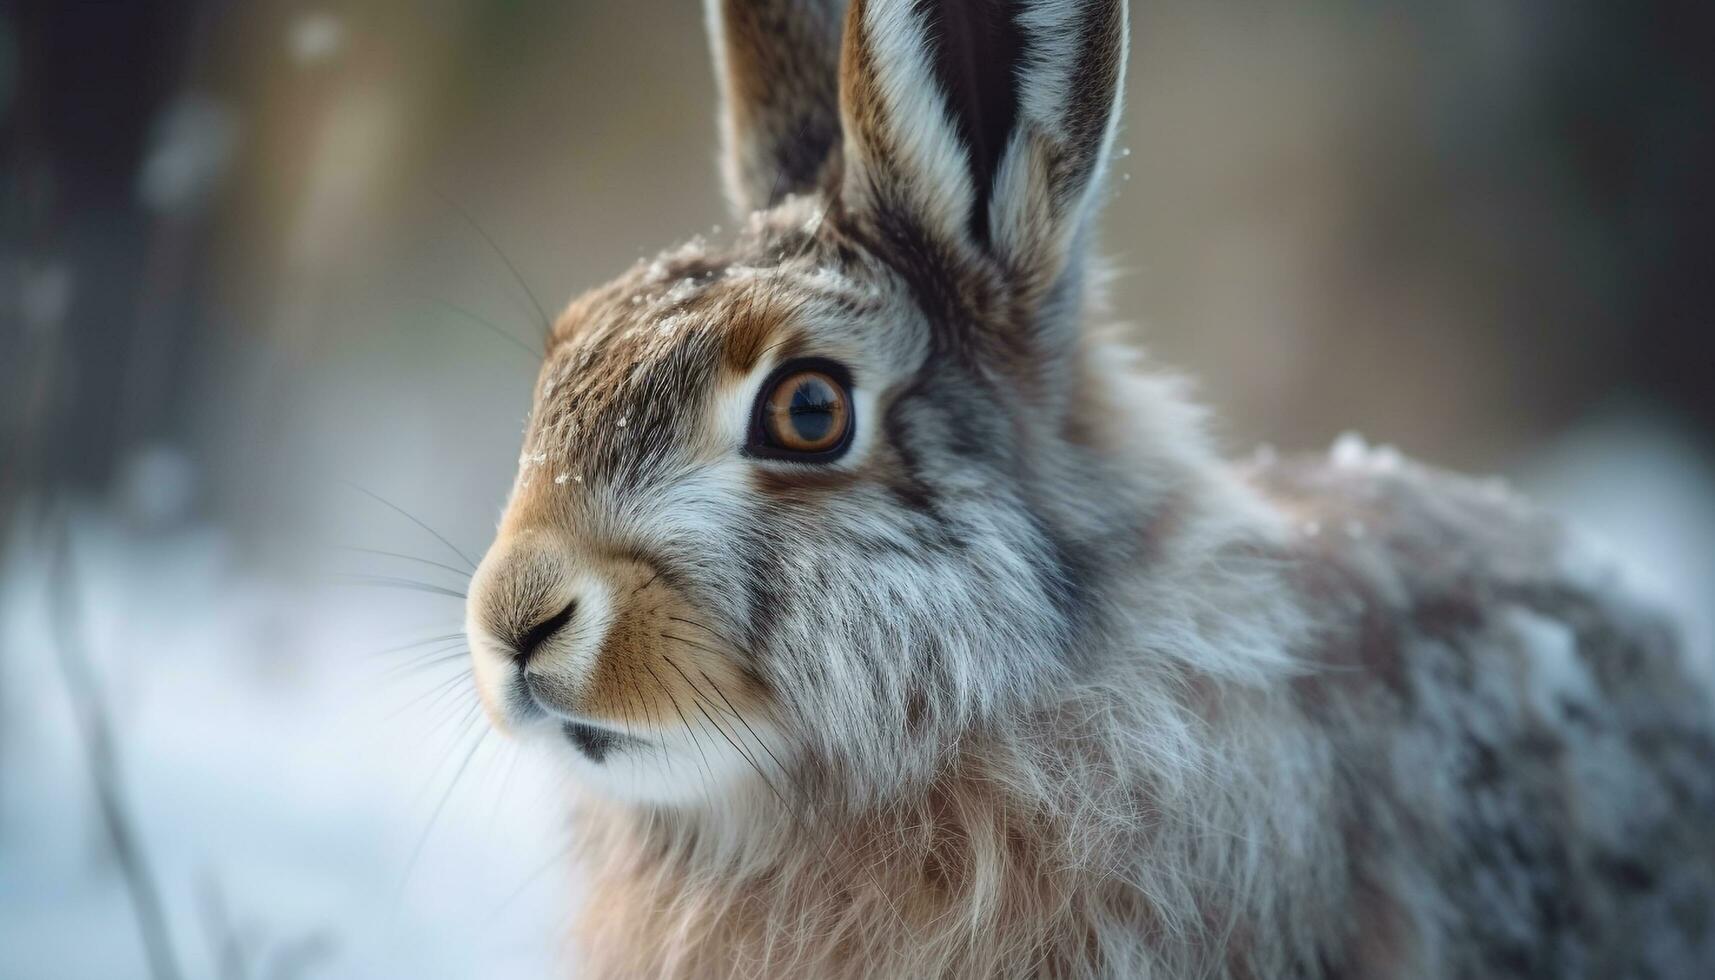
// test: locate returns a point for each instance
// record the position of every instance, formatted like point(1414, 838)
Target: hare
point(899, 623)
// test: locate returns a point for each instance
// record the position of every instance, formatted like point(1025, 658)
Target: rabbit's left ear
point(976, 131)
point(777, 65)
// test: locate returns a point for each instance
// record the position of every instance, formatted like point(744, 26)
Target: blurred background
point(266, 342)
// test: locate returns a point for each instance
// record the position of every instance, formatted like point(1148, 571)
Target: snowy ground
point(287, 778)
point(283, 774)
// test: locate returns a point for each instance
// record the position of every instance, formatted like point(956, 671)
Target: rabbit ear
point(983, 126)
point(777, 62)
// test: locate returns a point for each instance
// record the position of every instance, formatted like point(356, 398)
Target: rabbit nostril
point(526, 643)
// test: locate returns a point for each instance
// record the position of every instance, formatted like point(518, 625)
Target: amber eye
point(804, 413)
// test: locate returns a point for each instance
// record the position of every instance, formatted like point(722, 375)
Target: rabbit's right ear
point(976, 134)
point(777, 62)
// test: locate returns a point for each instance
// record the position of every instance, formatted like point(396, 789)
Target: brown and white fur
point(1030, 683)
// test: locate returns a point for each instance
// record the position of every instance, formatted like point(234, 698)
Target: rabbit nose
point(528, 641)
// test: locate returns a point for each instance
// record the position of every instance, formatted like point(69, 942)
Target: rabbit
point(897, 621)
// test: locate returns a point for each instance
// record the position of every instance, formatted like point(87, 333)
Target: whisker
point(787, 808)
point(535, 355)
point(736, 747)
point(505, 782)
point(748, 758)
point(447, 646)
point(463, 722)
point(547, 323)
point(417, 852)
point(791, 777)
point(560, 854)
point(717, 634)
point(732, 710)
point(435, 658)
point(655, 723)
point(413, 519)
point(647, 584)
point(438, 694)
point(694, 644)
point(708, 772)
point(394, 582)
point(758, 739)
point(625, 715)
point(443, 638)
point(461, 573)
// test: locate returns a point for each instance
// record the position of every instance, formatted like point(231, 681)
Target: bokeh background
point(264, 303)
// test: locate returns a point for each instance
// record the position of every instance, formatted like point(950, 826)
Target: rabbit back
point(1526, 753)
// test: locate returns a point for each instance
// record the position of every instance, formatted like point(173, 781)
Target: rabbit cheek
point(666, 710)
point(659, 664)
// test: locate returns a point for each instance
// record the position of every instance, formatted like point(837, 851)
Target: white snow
point(1556, 672)
point(270, 758)
point(1641, 493)
point(1351, 450)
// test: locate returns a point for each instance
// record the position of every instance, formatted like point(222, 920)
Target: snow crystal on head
point(1352, 451)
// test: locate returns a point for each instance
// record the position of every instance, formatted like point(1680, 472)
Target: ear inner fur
point(976, 50)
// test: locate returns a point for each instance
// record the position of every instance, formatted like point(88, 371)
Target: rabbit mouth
point(594, 741)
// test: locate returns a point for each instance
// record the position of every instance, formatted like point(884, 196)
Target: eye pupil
point(812, 411)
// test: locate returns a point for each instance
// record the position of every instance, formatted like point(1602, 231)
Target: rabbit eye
point(804, 413)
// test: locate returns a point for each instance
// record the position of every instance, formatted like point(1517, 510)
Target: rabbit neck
point(1094, 851)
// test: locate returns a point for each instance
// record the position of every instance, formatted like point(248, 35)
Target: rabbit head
point(813, 505)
